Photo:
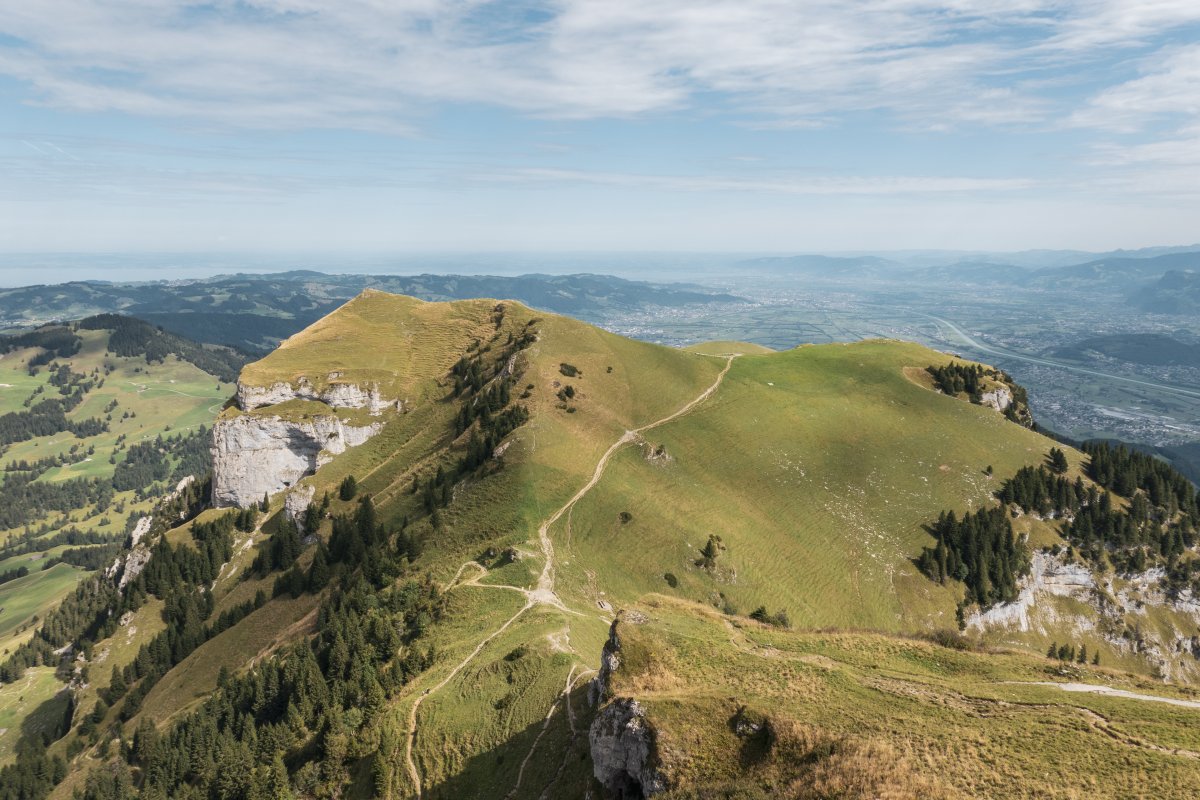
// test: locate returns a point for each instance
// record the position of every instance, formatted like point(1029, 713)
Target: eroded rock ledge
point(335, 394)
point(622, 741)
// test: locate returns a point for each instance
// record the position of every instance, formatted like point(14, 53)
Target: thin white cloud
point(373, 64)
point(1169, 87)
point(793, 185)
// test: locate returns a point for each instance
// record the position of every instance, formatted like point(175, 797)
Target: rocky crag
point(622, 741)
point(261, 452)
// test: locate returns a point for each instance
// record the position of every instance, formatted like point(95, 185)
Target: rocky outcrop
point(610, 660)
point(126, 566)
point(621, 739)
point(1048, 575)
point(623, 751)
point(335, 394)
point(259, 454)
point(999, 398)
point(296, 503)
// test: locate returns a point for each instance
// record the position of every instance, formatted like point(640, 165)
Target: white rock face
point(296, 503)
point(1049, 575)
point(1000, 398)
point(336, 394)
point(257, 455)
point(135, 562)
point(140, 530)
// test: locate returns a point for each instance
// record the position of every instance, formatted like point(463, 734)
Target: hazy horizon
point(25, 269)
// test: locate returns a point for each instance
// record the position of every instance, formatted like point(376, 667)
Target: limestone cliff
point(1132, 613)
point(257, 454)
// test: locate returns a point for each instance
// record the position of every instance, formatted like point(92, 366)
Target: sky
point(410, 126)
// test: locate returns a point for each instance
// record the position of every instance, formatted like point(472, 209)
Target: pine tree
point(1058, 461)
point(279, 785)
point(116, 686)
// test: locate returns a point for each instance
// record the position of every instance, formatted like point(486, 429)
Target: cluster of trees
point(43, 465)
point(1037, 490)
point(1157, 525)
point(88, 614)
point(313, 711)
point(70, 536)
point(955, 378)
point(281, 550)
point(13, 574)
point(483, 405)
point(1158, 522)
point(148, 462)
point(144, 463)
point(132, 337)
point(709, 553)
point(47, 418)
point(24, 499)
point(93, 610)
point(492, 429)
point(484, 391)
point(89, 558)
point(981, 551)
point(34, 773)
point(1068, 652)
point(1125, 471)
point(55, 341)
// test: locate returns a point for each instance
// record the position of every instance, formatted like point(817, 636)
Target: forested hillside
point(98, 421)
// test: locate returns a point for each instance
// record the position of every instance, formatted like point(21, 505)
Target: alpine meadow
point(577, 400)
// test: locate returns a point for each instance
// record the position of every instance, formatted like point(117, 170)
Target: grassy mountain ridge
point(467, 604)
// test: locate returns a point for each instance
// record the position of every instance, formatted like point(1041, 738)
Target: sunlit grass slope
point(868, 715)
point(817, 468)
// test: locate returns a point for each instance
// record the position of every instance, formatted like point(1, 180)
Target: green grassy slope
point(817, 467)
point(867, 715)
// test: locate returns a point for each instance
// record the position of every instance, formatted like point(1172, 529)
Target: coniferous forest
point(1135, 512)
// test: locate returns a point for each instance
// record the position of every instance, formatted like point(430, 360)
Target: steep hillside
point(461, 498)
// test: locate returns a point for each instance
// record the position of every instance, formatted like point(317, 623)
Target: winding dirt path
point(413, 774)
point(544, 593)
point(1094, 688)
point(545, 587)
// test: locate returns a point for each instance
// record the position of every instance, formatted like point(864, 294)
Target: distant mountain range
point(1174, 293)
point(1163, 280)
point(254, 311)
point(1153, 349)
